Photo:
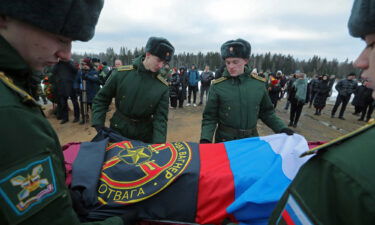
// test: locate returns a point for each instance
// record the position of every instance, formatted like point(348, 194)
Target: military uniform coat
point(141, 99)
point(32, 172)
point(336, 186)
point(238, 102)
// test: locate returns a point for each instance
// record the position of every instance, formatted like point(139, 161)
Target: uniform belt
point(134, 120)
point(237, 132)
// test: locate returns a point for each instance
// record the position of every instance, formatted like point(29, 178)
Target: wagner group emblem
point(132, 174)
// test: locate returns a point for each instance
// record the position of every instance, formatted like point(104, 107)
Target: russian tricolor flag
point(251, 173)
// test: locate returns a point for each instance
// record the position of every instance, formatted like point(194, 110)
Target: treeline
point(263, 62)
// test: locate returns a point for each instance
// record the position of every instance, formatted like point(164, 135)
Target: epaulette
point(125, 68)
point(257, 77)
point(339, 139)
point(219, 80)
point(161, 78)
point(26, 97)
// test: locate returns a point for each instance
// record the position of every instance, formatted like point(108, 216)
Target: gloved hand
point(130, 217)
point(98, 128)
point(204, 141)
point(78, 206)
point(288, 131)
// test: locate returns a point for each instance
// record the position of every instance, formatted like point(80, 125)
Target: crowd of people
point(80, 82)
point(75, 81)
point(315, 92)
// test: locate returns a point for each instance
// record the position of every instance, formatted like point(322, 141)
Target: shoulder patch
point(161, 78)
point(125, 68)
point(216, 81)
point(26, 97)
point(28, 188)
point(341, 138)
point(258, 77)
point(293, 213)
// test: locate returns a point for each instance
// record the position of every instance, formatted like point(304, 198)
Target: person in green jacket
point(337, 185)
point(141, 96)
point(32, 173)
point(237, 99)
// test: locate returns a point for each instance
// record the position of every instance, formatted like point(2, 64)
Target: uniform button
point(150, 106)
point(228, 107)
point(115, 124)
point(123, 96)
point(226, 114)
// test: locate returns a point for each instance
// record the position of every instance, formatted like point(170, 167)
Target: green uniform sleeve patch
point(27, 189)
point(293, 213)
point(216, 81)
point(161, 78)
point(125, 68)
point(255, 76)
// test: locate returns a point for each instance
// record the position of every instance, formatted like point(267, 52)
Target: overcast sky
point(302, 28)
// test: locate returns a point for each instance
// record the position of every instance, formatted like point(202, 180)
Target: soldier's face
point(366, 62)
point(118, 63)
point(153, 63)
point(37, 47)
point(235, 66)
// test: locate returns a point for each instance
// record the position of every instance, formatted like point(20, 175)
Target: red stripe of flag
point(288, 220)
point(216, 185)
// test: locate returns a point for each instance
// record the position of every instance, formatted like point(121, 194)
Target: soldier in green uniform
point(35, 34)
point(141, 96)
point(337, 185)
point(237, 99)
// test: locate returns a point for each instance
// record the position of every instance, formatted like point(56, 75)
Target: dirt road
point(185, 125)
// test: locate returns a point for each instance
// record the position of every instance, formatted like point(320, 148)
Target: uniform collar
point(138, 64)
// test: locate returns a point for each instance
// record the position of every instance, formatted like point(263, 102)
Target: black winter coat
point(64, 74)
point(362, 96)
point(174, 85)
point(323, 90)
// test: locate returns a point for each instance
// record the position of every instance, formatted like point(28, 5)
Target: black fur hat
point(238, 48)
point(75, 19)
point(160, 47)
point(362, 18)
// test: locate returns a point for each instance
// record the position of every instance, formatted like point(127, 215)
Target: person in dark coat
point(313, 89)
point(184, 83)
point(288, 89)
point(298, 98)
point(219, 71)
point(322, 94)
point(87, 81)
point(174, 85)
point(363, 101)
point(355, 102)
point(193, 75)
point(65, 73)
point(274, 90)
point(206, 77)
point(345, 87)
